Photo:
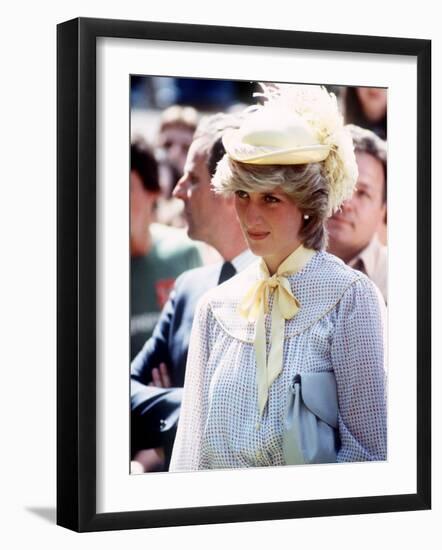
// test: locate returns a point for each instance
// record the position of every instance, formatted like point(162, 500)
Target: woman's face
point(271, 223)
point(373, 102)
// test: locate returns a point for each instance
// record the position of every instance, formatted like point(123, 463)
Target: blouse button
point(257, 426)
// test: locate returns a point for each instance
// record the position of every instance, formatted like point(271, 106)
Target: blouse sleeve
point(187, 449)
point(357, 355)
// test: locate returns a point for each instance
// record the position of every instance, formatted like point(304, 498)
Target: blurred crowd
point(185, 239)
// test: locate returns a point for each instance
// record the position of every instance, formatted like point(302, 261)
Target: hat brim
point(251, 154)
point(297, 155)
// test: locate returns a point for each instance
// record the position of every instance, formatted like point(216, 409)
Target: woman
point(366, 107)
point(297, 311)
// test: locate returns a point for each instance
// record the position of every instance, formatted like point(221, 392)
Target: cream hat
point(275, 137)
point(297, 124)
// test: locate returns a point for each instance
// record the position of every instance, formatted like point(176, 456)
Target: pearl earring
point(306, 217)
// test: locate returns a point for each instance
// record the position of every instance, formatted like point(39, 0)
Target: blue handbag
point(310, 434)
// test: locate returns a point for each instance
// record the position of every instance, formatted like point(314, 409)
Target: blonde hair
point(305, 184)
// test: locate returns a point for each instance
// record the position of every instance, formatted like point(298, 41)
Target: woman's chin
point(259, 248)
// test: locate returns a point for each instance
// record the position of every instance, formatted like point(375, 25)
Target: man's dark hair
point(144, 163)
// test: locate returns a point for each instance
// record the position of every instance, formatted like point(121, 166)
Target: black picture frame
point(76, 273)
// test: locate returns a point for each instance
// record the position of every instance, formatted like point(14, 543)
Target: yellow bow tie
point(255, 306)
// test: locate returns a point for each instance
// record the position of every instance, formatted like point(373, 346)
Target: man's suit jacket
point(155, 410)
point(170, 340)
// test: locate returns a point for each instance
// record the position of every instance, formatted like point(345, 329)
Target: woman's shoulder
point(331, 277)
point(340, 278)
point(321, 287)
point(223, 302)
point(329, 267)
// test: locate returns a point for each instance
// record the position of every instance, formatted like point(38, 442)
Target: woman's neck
point(274, 261)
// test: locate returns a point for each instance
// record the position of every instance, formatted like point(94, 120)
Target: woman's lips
point(257, 236)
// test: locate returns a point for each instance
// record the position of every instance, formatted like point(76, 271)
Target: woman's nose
point(252, 215)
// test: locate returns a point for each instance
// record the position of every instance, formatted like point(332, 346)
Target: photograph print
point(258, 274)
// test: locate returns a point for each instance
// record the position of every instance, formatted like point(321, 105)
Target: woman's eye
point(271, 199)
point(241, 194)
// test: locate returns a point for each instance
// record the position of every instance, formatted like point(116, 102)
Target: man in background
point(158, 254)
point(353, 230)
point(177, 126)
